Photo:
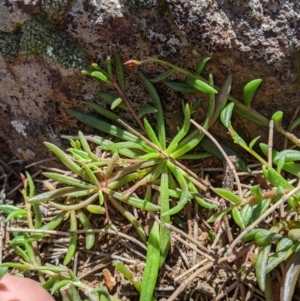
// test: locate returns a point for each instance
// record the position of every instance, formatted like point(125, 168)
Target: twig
point(1, 236)
point(201, 247)
point(193, 177)
point(62, 233)
point(270, 142)
point(17, 187)
point(193, 276)
point(231, 166)
point(187, 272)
point(193, 247)
point(261, 218)
point(229, 289)
point(185, 260)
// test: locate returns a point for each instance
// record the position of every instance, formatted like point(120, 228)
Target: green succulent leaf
point(181, 87)
point(291, 274)
point(277, 118)
point(294, 124)
point(256, 191)
point(147, 110)
point(109, 98)
point(226, 114)
point(246, 213)
point(284, 244)
point(221, 99)
point(201, 65)
point(68, 180)
point(289, 155)
point(266, 237)
point(64, 158)
point(200, 85)
point(108, 66)
point(290, 167)
point(219, 215)
point(237, 217)
point(116, 103)
point(51, 195)
point(261, 266)
point(162, 76)
point(250, 90)
point(228, 195)
point(260, 209)
point(253, 141)
point(100, 75)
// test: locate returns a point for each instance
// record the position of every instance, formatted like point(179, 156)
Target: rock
point(44, 45)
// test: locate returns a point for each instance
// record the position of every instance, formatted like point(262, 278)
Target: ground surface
point(194, 243)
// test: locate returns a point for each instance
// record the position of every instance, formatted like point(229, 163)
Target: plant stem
point(191, 175)
point(231, 166)
point(243, 110)
point(261, 218)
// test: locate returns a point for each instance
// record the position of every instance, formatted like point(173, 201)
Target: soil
point(193, 240)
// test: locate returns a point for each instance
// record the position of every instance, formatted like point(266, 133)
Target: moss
point(160, 7)
point(40, 37)
point(55, 8)
point(10, 44)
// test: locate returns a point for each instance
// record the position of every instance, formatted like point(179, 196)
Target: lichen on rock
point(10, 44)
point(40, 37)
point(55, 8)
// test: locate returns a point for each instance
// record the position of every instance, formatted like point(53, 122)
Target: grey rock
point(44, 44)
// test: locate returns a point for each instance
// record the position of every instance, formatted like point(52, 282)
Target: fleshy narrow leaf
point(261, 265)
point(116, 103)
point(51, 195)
point(219, 214)
point(277, 118)
point(109, 98)
point(288, 155)
point(146, 110)
point(246, 213)
point(161, 131)
point(181, 87)
point(201, 65)
point(200, 85)
point(221, 99)
point(108, 66)
point(290, 167)
point(256, 191)
point(236, 214)
point(2, 271)
point(64, 158)
point(107, 128)
point(260, 209)
point(152, 264)
point(226, 114)
point(253, 141)
point(228, 195)
point(150, 133)
point(89, 236)
point(290, 277)
point(101, 76)
point(277, 258)
point(294, 124)
point(211, 148)
point(85, 146)
point(68, 180)
point(266, 237)
point(250, 90)
point(162, 76)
